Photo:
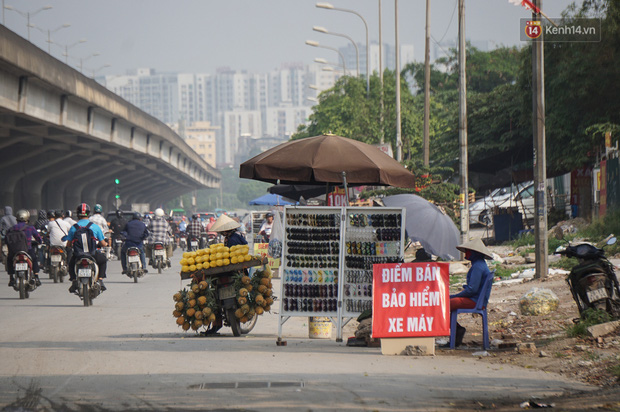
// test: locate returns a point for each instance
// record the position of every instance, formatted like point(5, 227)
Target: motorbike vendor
point(135, 232)
point(228, 228)
point(194, 229)
point(476, 252)
point(31, 233)
point(159, 231)
point(82, 212)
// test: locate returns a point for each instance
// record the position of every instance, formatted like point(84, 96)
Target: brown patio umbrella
point(323, 159)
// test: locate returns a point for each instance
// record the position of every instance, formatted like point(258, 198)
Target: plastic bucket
point(319, 328)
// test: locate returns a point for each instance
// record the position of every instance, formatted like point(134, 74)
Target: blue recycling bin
point(507, 226)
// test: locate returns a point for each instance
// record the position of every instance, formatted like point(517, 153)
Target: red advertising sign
point(337, 198)
point(411, 300)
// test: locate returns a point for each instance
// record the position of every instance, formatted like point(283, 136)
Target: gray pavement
point(126, 353)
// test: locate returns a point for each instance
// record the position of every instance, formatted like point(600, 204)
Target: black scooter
point(593, 282)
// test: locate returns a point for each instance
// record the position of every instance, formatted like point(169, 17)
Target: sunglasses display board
point(327, 259)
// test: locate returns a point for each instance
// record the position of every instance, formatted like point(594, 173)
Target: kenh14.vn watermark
point(560, 30)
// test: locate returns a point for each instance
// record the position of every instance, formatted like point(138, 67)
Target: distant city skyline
point(257, 36)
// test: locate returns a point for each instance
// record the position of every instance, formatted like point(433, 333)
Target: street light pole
point(331, 7)
point(67, 47)
point(382, 140)
point(317, 44)
point(357, 52)
point(24, 14)
point(82, 60)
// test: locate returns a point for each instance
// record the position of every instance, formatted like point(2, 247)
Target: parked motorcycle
point(134, 264)
point(159, 259)
point(87, 273)
point(593, 282)
point(24, 278)
point(182, 242)
point(58, 263)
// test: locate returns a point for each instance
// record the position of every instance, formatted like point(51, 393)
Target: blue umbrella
point(271, 200)
point(428, 224)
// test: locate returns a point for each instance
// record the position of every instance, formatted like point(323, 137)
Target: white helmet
point(159, 212)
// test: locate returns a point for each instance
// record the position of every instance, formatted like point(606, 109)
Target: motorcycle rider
point(57, 229)
point(7, 222)
point(159, 231)
point(135, 231)
point(68, 218)
point(31, 233)
point(98, 219)
point(117, 225)
point(82, 212)
point(194, 229)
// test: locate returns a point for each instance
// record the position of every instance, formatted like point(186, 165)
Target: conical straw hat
point(476, 245)
point(223, 224)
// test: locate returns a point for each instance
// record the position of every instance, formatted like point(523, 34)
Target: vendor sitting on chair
point(476, 252)
point(228, 228)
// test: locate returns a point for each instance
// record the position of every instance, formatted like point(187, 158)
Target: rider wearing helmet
point(31, 233)
point(98, 219)
point(135, 232)
point(194, 229)
point(117, 225)
point(82, 212)
point(68, 218)
point(159, 231)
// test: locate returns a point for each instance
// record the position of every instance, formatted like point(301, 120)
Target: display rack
point(327, 259)
point(372, 236)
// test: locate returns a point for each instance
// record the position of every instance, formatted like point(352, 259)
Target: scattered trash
point(496, 342)
point(539, 301)
point(442, 341)
point(512, 314)
point(481, 353)
point(543, 354)
point(533, 405)
point(413, 350)
point(526, 347)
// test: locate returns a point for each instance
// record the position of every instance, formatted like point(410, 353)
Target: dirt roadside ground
point(585, 359)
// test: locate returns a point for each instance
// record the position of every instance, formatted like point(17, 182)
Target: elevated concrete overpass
point(64, 139)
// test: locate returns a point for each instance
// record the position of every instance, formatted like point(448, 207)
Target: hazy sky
point(256, 35)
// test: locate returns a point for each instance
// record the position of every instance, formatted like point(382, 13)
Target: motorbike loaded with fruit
point(222, 291)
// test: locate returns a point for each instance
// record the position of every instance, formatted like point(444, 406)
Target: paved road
point(126, 353)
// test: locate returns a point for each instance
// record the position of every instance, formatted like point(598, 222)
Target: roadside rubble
point(535, 338)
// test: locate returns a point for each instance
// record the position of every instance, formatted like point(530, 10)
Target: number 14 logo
point(533, 29)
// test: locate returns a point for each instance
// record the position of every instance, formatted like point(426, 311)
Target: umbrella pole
point(346, 188)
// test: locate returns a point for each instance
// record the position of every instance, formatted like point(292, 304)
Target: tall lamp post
point(329, 6)
point(28, 14)
point(68, 46)
point(323, 61)
point(100, 68)
point(83, 59)
point(49, 34)
point(357, 52)
point(317, 44)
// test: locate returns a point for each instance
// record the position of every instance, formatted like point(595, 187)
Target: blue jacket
point(135, 232)
point(476, 276)
point(236, 239)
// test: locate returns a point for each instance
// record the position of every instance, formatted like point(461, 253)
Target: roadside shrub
point(590, 317)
